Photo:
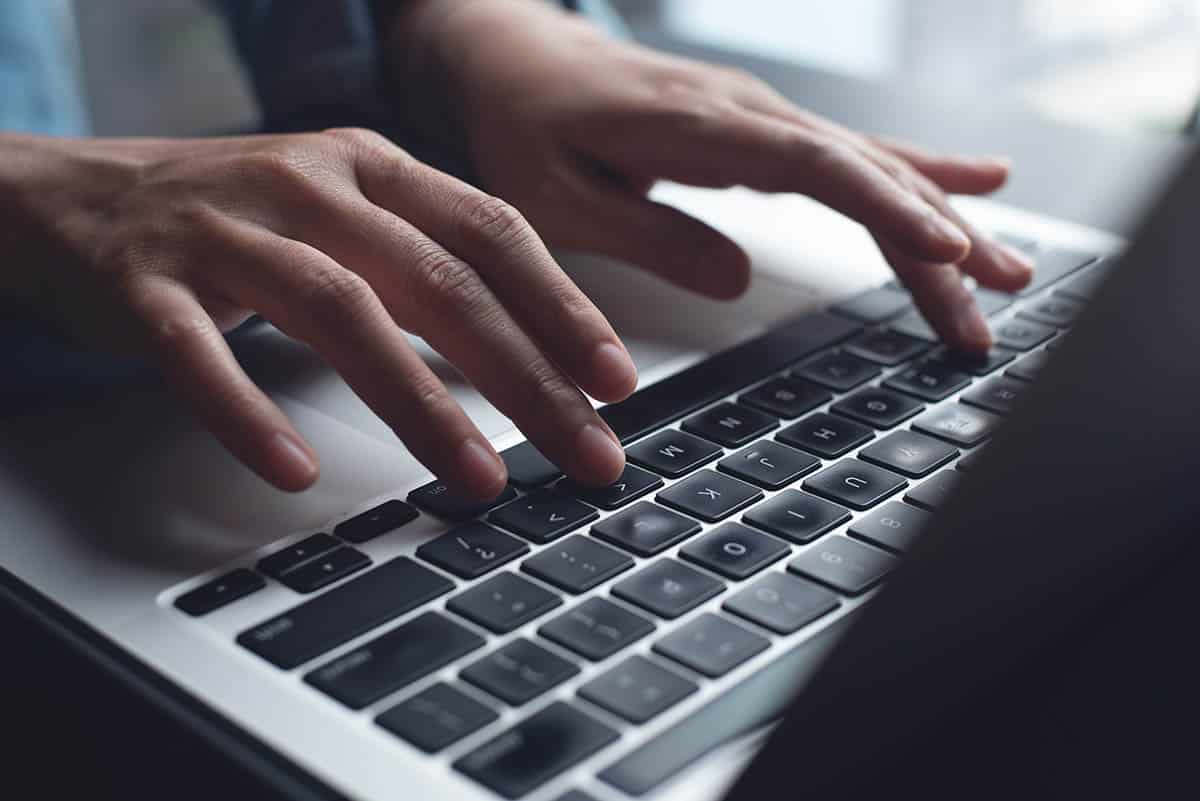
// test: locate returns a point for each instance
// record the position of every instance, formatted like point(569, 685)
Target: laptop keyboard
point(804, 466)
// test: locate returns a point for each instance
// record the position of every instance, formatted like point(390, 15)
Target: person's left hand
point(573, 128)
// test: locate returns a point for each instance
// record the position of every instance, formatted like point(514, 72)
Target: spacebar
point(757, 701)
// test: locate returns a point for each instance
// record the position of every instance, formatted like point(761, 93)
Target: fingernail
point(997, 162)
point(972, 329)
point(950, 232)
point(482, 469)
point(293, 461)
point(597, 456)
point(614, 371)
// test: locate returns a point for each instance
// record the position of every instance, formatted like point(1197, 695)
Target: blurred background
point(164, 66)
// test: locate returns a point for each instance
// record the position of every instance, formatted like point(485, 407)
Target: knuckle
point(446, 280)
point(179, 332)
point(546, 385)
point(490, 220)
point(361, 138)
point(338, 297)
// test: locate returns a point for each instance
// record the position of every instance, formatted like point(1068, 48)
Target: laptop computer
point(373, 637)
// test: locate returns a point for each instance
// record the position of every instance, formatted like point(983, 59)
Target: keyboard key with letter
point(637, 689)
point(527, 468)
point(596, 629)
point(845, 565)
point(633, 484)
point(997, 394)
point(908, 453)
point(734, 551)
point(782, 603)
point(645, 528)
point(667, 588)
point(472, 549)
point(838, 371)
point(709, 496)
point(826, 435)
point(796, 516)
point(786, 397)
point(577, 564)
point(543, 516)
point(769, 464)
point(880, 408)
point(974, 363)
point(934, 491)
point(856, 484)
point(673, 453)
point(729, 424)
point(963, 425)
point(1055, 311)
point(1020, 334)
point(711, 645)
point(931, 380)
point(436, 717)
point(875, 305)
point(519, 672)
point(886, 347)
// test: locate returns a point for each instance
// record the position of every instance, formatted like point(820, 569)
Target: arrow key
point(543, 516)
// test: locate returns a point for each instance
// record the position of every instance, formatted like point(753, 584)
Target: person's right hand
point(340, 239)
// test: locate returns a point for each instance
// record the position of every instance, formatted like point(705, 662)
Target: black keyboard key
point(856, 484)
point(908, 453)
point(875, 305)
point(1055, 311)
point(637, 689)
point(913, 325)
point(527, 468)
point(667, 588)
point(344, 612)
point(886, 347)
point(519, 671)
point(711, 645)
point(990, 302)
point(934, 491)
point(845, 565)
point(220, 591)
point(894, 526)
point(408, 652)
point(826, 435)
point(1029, 368)
point(838, 370)
point(878, 407)
point(436, 498)
point(1053, 265)
point(997, 394)
point(673, 453)
point(536, 750)
point(769, 464)
point(969, 461)
point(633, 484)
point(577, 563)
point(786, 397)
point(385, 517)
point(751, 704)
point(1083, 287)
point(645, 528)
point(1019, 334)
point(296, 554)
point(931, 379)
point(709, 496)
point(326, 569)
point(504, 602)
point(729, 424)
point(596, 629)
point(734, 551)
point(977, 364)
point(543, 516)
point(436, 717)
point(472, 549)
point(963, 425)
point(796, 516)
point(782, 603)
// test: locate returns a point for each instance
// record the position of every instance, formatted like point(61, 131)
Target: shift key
point(343, 613)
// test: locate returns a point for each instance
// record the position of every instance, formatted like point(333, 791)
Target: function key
point(782, 603)
point(1029, 368)
point(668, 588)
point(734, 551)
point(729, 424)
point(709, 496)
point(645, 528)
point(472, 549)
point(386, 517)
point(844, 564)
point(1055, 310)
point(596, 629)
point(914, 325)
point(503, 603)
point(226, 589)
point(633, 483)
point(518, 672)
point(838, 370)
point(436, 717)
point(326, 569)
point(997, 394)
point(877, 407)
point(826, 435)
point(934, 491)
point(769, 464)
point(958, 423)
point(436, 498)
point(527, 468)
point(931, 380)
point(894, 526)
point(909, 453)
point(796, 516)
point(856, 484)
point(296, 554)
point(989, 301)
point(977, 364)
point(875, 305)
point(888, 348)
point(543, 516)
point(536, 750)
point(637, 689)
point(410, 651)
point(1020, 334)
point(786, 397)
point(673, 453)
point(711, 645)
point(576, 564)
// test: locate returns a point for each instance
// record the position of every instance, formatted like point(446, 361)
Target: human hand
point(573, 128)
point(340, 239)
